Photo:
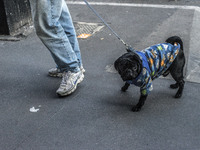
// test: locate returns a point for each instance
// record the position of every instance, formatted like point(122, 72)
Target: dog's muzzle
point(127, 75)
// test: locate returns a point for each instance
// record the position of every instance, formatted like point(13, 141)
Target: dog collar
point(145, 63)
point(135, 81)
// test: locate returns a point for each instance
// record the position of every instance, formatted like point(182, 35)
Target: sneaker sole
point(59, 75)
point(73, 89)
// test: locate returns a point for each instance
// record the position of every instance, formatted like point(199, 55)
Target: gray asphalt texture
point(98, 115)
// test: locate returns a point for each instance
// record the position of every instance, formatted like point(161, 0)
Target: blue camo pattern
point(155, 60)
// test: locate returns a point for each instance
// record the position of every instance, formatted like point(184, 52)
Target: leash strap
point(128, 47)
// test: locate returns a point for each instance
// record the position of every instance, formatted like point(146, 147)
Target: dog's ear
point(135, 57)
point(116, 63)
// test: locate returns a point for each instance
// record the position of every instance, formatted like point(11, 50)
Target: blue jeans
point(55, 28)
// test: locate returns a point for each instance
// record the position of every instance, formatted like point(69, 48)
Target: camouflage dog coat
point(155, 61)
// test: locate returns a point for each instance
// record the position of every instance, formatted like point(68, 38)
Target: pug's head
point(129, 66)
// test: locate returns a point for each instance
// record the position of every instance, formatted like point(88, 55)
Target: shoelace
point(66, 77)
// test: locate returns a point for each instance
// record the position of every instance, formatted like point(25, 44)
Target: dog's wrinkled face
point(129, 66)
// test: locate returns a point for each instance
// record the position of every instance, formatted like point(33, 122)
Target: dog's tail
point(175, 39)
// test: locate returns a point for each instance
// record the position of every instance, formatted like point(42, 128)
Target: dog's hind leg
point(177, 74)
point(180, 90)
point(125, 87)
point(176, 70)
point(174, 86)
point(178, 77)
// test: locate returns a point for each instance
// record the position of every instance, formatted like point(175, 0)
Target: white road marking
point(110, 69)
point(137, 5)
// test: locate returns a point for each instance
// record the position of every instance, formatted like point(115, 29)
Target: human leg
point(67, 24)
point(48, 28)
point(47, 14)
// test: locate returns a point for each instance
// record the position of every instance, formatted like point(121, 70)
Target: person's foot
point(55, 72)
point(69, 83)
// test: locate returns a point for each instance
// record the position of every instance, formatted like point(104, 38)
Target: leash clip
point(129, 48)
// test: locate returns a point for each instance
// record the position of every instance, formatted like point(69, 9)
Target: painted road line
point(137, 5)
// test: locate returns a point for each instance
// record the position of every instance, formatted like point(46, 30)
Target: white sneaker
point(55, 72)
point(69, 83)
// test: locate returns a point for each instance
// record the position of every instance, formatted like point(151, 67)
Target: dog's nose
point(127, 75)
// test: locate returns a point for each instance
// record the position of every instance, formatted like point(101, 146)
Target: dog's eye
point(134, 68)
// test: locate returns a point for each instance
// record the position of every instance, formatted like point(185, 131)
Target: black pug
point(141, 67)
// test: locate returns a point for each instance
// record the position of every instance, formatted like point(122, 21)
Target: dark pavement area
point(98, 115)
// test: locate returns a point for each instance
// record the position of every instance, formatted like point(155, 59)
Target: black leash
point(128, 47)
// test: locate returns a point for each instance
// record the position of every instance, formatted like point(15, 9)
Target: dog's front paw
point(136, 108)
point(178, 94)
point(123, 89)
